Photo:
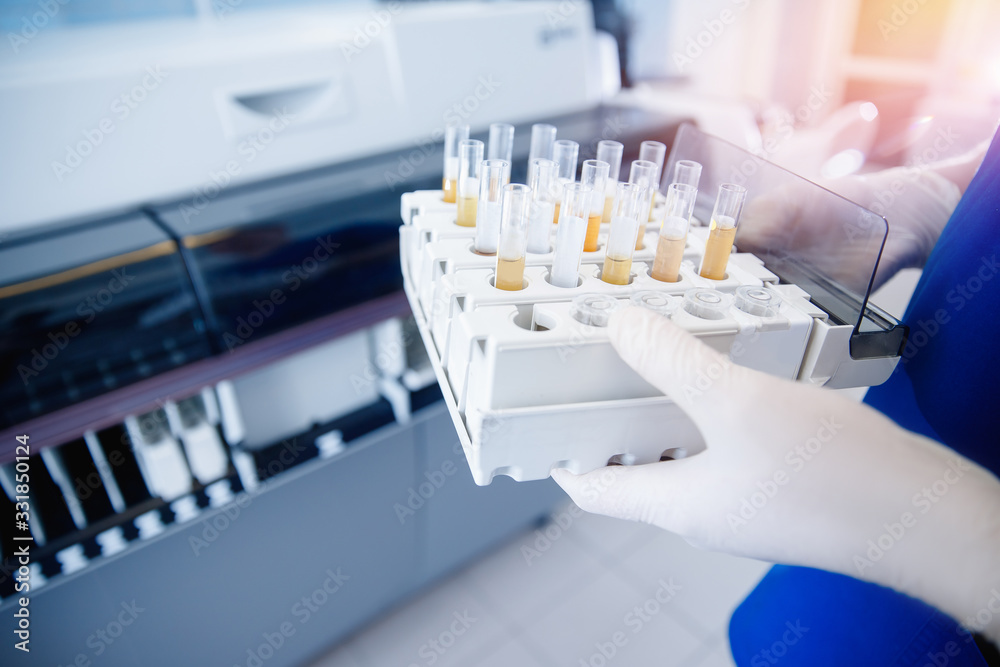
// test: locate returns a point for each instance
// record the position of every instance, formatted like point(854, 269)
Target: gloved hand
point(916, 201)
point(801, 475)
point(799, 220)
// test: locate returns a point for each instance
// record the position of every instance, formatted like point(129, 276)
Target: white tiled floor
point(563, 596)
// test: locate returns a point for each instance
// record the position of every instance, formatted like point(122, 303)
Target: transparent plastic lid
point(593, 309)
point(658, 302)
point(757, 301)
point(804, 233)
point(707, 304)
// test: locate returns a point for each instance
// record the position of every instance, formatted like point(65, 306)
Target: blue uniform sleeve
point(943, 388)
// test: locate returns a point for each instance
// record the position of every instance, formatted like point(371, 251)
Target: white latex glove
point(801, 475)
point(916, 201)
point(917, 204)
point(796, 219)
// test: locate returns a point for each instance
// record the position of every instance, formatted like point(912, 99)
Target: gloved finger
point(674, 361)
point(652, 493)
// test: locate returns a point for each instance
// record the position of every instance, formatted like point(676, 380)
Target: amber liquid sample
point(608, 203)
point(467, 211)
point(640, 235)
point(667, 263)
point(555, 216)
point(450, 187)
point(593, 229)
point(652, 205)
point(617, 271)
point(717, 250)
point(510, 274)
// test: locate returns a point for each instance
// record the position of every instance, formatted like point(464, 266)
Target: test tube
point(453, 134)
point(572, 232)
point(542, 181)
point(629, 206)
point(655, 152)
point(470, 160)
point(495, 175)
point(542, 139)
point(564, 154)
point(673, 232)
point(594, 174)
point(501, 146)
point(722, 230)
point(515, 209)
point(610, 152)
point(687, 172)
point(643, 173)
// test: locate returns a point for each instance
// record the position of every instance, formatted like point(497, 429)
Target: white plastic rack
point(531, 379)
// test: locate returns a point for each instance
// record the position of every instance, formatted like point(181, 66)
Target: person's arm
point(801, 475)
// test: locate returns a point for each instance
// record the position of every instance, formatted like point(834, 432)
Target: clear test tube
point(687, 172)
point(643, 173)
point(572, 231)
point(501, 146)
point(453, 134)
point(515, 210)
point(594, 174)
point(470, 160)
point(542, 181)
point(722, 230)
point(610, 152)
point(673, 232)
point(543, 137)
point(565, 154)
point(626, 211)
point(655, 152)
point(495, 175)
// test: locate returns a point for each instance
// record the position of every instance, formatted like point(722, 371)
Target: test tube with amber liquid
point(643, 173)
point(673, 232)
point(515, 211)
point(722, 231)
point(470, 160)
point(655, 152)
point(453, 134)
point(610, 152)
point(629, 206)
point(594, 174)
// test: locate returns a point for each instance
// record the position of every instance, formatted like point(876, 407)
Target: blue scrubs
point(944, 388)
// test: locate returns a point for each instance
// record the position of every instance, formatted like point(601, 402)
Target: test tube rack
point(531, 388)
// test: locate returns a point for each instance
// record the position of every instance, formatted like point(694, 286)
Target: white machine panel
point(162, 110)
